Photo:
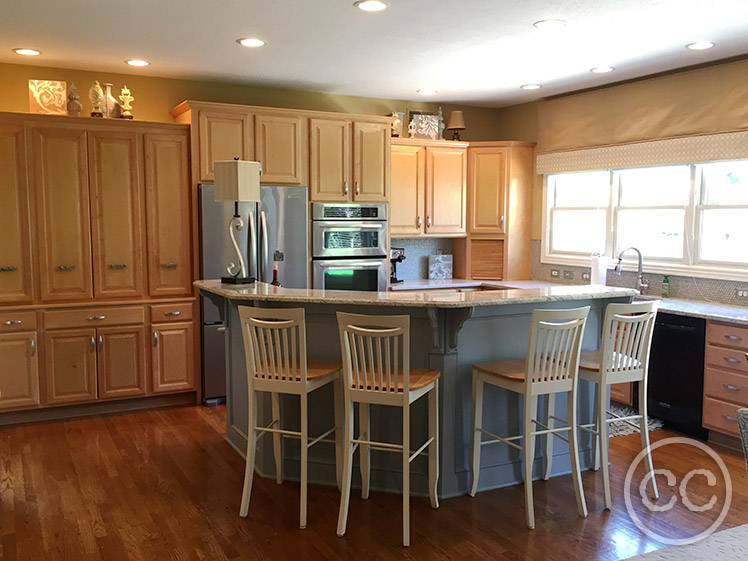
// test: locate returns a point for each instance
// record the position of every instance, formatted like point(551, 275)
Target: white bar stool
point(550, 367)
point(275, 350)
point(374, 373)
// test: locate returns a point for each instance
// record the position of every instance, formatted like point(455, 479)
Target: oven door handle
point(348, 226)
point(361, 265)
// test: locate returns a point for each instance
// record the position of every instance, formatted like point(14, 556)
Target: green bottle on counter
point(666, 286)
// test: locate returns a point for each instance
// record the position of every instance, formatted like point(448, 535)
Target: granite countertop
point(445, 284)
point(425, 299)
point(737, 315)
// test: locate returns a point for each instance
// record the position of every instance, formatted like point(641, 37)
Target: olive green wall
point(154, 97)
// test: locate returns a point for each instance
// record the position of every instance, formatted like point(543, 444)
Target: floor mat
point(621, 429)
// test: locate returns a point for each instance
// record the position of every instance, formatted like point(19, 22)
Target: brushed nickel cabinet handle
point(32, 344)
point(96, 318)
point(172, 313)
point(101, 342)
point(12, 322)
point(345, 188)
point(419, 222)
point(733, 419)
point(733, 338)
point(93, 344)
point(730, 359)
point(117, 266)
point(10, 269)
point(731, 388)
point(502, 221)
point(66, 268)
point(221, 330)
point(428, 222)
point(155, 338)
point(358, 189)
point(168, 265)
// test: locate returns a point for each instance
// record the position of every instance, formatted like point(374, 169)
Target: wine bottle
point(275, 282)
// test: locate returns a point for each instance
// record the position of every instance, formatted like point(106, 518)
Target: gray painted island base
point(449, 339)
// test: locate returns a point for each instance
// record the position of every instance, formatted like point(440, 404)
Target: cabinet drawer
point(721, 416)
point(17, 321)
point(729, 386)
point(726, 358)
point(727, 336)
point(94, 317)
point(171, 312)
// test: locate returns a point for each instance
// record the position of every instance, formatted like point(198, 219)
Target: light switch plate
point(555, 273)
point(585, 276)
point(569, 275)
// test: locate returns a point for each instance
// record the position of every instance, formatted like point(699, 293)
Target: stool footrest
point(498, 439)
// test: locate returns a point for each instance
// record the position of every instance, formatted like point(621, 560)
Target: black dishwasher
point(676, 373)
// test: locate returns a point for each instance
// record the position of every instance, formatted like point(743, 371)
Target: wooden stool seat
point(512, 369)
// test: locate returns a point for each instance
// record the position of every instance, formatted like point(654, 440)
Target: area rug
point(621, 429)
point(728, 545)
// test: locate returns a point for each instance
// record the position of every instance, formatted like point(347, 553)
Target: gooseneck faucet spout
point(640, 283)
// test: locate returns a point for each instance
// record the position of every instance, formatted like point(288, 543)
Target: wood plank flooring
point(163, 485)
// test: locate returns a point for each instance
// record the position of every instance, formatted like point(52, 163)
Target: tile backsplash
point(417, 251)
point(683, 287)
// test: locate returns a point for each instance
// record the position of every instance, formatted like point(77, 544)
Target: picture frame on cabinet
point(423, 124)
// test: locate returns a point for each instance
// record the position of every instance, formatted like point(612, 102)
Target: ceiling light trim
point(251, 42)
point(530, 86)
point(27, 51)
point(138, 62)
point(371, 6)
point(700, 45)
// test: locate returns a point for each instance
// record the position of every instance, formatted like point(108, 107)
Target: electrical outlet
point(741, 293)
point(585, 276)
point(569, 275)
point(555, 273)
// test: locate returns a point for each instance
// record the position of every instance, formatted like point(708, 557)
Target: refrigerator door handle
point(265, 255)
point(253, 271)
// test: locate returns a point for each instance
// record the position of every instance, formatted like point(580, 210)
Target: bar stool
point(373, 373)
point(623, 357)
point(550, 367)
point(275, 350)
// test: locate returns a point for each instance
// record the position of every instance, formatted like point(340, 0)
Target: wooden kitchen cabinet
point(121, 361)
point(117, 213)
point(371, 162)
point(63, 217)
point(70, 365)
point(446, 190)
point(19, 370)
point(408, 184)
point(172, 357)
point(330, 159)
point(281, 146)
point(16, 269)
point(223, 134)
point(487, 184)
point(167, 194)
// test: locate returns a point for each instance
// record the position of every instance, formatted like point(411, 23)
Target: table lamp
point(237, 181)
point(456, 124)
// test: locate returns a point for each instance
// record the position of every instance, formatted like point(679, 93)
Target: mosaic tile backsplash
point(417, 251)
point(686, 288)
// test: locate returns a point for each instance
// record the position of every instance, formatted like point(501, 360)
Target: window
point(688, 218)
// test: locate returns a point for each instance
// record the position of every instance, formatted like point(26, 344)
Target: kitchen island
point(449, 332)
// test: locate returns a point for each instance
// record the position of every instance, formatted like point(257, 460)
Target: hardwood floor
point(163, 485)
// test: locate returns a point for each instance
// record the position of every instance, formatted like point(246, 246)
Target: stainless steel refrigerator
point(275, 230)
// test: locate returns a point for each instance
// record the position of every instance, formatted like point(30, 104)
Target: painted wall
point(154, 97)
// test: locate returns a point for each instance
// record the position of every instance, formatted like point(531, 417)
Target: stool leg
point(345, 493)
point(475, 436)
point(304, 462)
point(406, 474)
point(364, 428)
point(597, 415)
point(602, 430)
point(249, 466)
point(434, 446)
point(277, 439)
point(550, 409)
point(644, 432)
point(574, 453)
point(528, 449)
point(338, 404)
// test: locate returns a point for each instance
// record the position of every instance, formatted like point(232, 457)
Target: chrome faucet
point(640, 283)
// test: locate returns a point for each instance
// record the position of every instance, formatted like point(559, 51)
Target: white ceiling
point(475, 52)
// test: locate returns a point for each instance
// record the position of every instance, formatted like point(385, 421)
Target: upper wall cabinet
point(281, 146)
point(446, 190)
point(408, 190)
point(371, 162)
point(63, 217)
point(330, 159)
point(488, 182)
point(223, 134)
point(16, 284)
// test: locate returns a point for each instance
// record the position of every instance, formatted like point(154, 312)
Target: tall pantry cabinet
point(98, 246)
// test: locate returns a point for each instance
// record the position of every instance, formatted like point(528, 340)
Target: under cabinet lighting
point(27, 52)
point(700, 45)
point(251, 42)
point(370, 5)
point(138, 62)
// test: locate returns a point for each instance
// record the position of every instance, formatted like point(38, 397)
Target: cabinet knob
point(168, 265)
point(419, 222)
point(345, 187)
point(10, 269)
point(65, 268)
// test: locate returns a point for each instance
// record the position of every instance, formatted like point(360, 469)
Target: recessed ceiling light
point(427, 91)
point(251, 42)
point(549, 24)
point(137, 62)
point(370, 5)
point(27, 52)
point(531, 86)
point(602, 69)
point(700, 45)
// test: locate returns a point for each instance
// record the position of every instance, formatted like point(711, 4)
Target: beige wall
point(154, 97)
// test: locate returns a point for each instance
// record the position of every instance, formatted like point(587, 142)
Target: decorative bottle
point(666, 286)
point(275, 282)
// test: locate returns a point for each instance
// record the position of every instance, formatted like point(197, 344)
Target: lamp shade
point(237, 180)
point(456, 121)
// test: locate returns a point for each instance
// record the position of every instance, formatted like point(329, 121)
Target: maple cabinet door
point(172, 357)
point(16, 284)
point(121, 361)
point(487, 190)
point(281, 147)
point(117, 214)
point(371, 163)
point(407, 212)
point(63, 218)
point(223, 135)
point(331, 160)
point(70, 365)
point(446, 190)
point(19, 370)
